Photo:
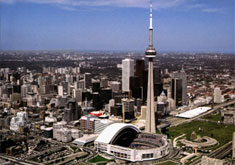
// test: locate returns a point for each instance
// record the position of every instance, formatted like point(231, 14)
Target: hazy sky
point(179, 25)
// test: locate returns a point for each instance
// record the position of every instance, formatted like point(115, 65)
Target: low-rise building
point(94, 124)
point(229, 118)
point(211, 161)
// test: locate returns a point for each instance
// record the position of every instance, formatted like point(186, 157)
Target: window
point(146, 156)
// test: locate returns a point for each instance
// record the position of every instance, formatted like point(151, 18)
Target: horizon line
point(126, 51)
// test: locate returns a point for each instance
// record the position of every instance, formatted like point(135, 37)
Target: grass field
point(222, 133)
point(213, 117)
point(97, 159)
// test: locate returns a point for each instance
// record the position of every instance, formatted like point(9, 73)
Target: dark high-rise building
point(158, 88)
point(135, 88)
point(97, 104)
point(140, 68)
point(48, 132)
point(16, 76)
point(176, 93)
point(87, 80)
point(158, 84)
point(157, 75)
point(116, 110)
point(145, 85)
point(96, 86)
point(16, 89)
point(179, 87)
point(9, 90)
point(105, 95)
point(134, 82)
point(72, 111)
point(86, 96)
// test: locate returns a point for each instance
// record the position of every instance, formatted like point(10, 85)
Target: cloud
point(195, 6)
point(158, 4)
point(68, 8)
point(213, 10)
point(74, 5)
point(7, 1)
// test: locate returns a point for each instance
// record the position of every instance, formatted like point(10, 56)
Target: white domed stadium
point(127, 142)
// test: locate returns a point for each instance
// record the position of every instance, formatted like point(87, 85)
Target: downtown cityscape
point(94, 105)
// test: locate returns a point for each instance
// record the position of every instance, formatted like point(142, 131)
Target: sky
point(179, 25)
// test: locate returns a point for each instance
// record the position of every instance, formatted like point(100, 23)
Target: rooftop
point(194, 112)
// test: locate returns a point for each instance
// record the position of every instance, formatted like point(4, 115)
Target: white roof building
point(86, 138)
point(194, 112)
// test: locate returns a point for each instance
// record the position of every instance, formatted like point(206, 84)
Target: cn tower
point(150, 53)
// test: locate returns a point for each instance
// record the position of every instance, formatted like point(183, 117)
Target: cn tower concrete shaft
point(150, 116)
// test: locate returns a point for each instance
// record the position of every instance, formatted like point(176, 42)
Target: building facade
point(127, 72)
point(217, 95)
point(179, 88)
point(128, 109)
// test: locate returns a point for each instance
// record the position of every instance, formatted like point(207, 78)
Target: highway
point(91, 154)
point(219, 153)
point(17, 161)
point(222, 151)
point(69, 158)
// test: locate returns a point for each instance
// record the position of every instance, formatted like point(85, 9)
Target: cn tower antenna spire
point(150, 52)
point(151, 15)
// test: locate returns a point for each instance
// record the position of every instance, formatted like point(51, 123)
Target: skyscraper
point(176, 91)
point(60, 90)
point(179, 87)
point(158, 84)
point(77, 94)
point(135, 88)
point(128, 109)
point(87, 80)
point(140, 67)
point(217, 95)
point(150, 54)
point(139, 79)
point(127, 72)
point(72, 111)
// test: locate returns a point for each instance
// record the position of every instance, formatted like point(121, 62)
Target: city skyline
point(186, 26)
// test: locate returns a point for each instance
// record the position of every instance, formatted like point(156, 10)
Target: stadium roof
point(110, 132)
point(194, 112)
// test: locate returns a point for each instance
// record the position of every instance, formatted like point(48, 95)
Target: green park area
point(98, 159)
point(213, 117)
point(222, 133)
